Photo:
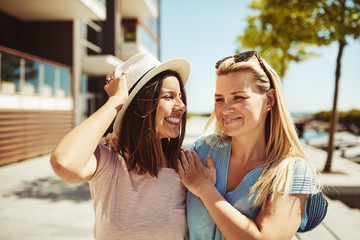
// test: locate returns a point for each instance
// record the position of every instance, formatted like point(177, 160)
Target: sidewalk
point(341, 221)
point(36, 205)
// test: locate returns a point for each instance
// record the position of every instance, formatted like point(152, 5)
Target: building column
point(117, 29)
point(77, 71)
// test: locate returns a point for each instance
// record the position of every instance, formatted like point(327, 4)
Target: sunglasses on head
point(244, 56)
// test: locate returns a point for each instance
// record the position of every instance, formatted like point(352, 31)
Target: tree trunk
point(334, 115)
point(282, 64)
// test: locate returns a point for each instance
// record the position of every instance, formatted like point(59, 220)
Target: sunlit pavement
point(36, 204)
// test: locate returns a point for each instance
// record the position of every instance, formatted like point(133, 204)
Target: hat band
point(132, 88)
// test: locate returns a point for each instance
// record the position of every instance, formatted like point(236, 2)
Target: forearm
point(75, 150)
point(232, 223)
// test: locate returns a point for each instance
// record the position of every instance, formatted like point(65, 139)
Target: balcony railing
point(25, 75)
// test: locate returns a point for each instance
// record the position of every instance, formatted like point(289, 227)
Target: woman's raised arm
point(74, 159)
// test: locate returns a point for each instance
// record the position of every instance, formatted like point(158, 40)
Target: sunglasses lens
point(237, 58)
point(243, 57)
point(218, 63)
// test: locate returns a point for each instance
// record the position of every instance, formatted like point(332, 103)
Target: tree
point(340, 19)
point(285, 28)
point(278, 31)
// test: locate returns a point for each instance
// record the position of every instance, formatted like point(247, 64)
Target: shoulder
point(210, 141)
point(212, 145)
point(304, 177)
point(105, 150)
point(108, 161)
point(302, 167)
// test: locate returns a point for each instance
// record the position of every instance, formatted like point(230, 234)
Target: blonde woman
point(259, 184)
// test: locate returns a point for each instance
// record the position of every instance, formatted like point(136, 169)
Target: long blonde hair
point(282, 143)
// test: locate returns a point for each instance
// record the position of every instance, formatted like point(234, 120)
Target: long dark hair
point(138, 141)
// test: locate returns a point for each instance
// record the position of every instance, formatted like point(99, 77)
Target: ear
point(271, 98)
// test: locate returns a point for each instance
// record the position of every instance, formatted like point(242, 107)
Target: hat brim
point(181, 66)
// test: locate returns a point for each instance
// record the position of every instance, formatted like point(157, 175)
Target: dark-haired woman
point(137, 193)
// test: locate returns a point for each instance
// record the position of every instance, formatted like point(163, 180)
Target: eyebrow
point(169, 91)
point(164, 90)
point(232, 93)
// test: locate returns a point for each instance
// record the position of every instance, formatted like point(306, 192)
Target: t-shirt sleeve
point(303, 182)
point(104, 161)
point(316, 203)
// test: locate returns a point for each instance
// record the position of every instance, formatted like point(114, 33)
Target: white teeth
point(173, 120)
point(229, 120)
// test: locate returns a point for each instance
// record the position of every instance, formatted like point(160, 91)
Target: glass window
point(10, 73)
point(129, 26)
point(32, 75)
point(65, 82)
point(153, 24)
point(149, 41)
point(49, 80)
point(84, 83)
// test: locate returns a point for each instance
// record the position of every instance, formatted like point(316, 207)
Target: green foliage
point(349, 119)
point(190, 115)
point(338, 19)
point(282, 30)
point(322, 116)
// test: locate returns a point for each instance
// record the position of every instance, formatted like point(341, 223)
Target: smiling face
point(170, 109)
point(240, 108)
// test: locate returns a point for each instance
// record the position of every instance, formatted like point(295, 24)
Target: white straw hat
point(141, 68)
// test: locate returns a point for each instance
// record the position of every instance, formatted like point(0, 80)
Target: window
point(25, 76)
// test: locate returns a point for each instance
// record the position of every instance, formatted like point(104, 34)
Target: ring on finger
point(108, 79)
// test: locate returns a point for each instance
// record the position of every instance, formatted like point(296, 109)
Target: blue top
point(200, 223)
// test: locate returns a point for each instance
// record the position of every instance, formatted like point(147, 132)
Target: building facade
point(54, 56)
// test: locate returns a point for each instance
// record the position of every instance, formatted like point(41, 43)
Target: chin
point(175, 135)
point(231, 132)
point(170, 135)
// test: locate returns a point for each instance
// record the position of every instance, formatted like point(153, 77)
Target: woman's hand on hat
point(116, 86)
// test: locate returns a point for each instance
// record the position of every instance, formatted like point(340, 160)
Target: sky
point(204, 31)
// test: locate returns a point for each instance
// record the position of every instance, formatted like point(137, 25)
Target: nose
point(179, 105)
point(228, 108)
